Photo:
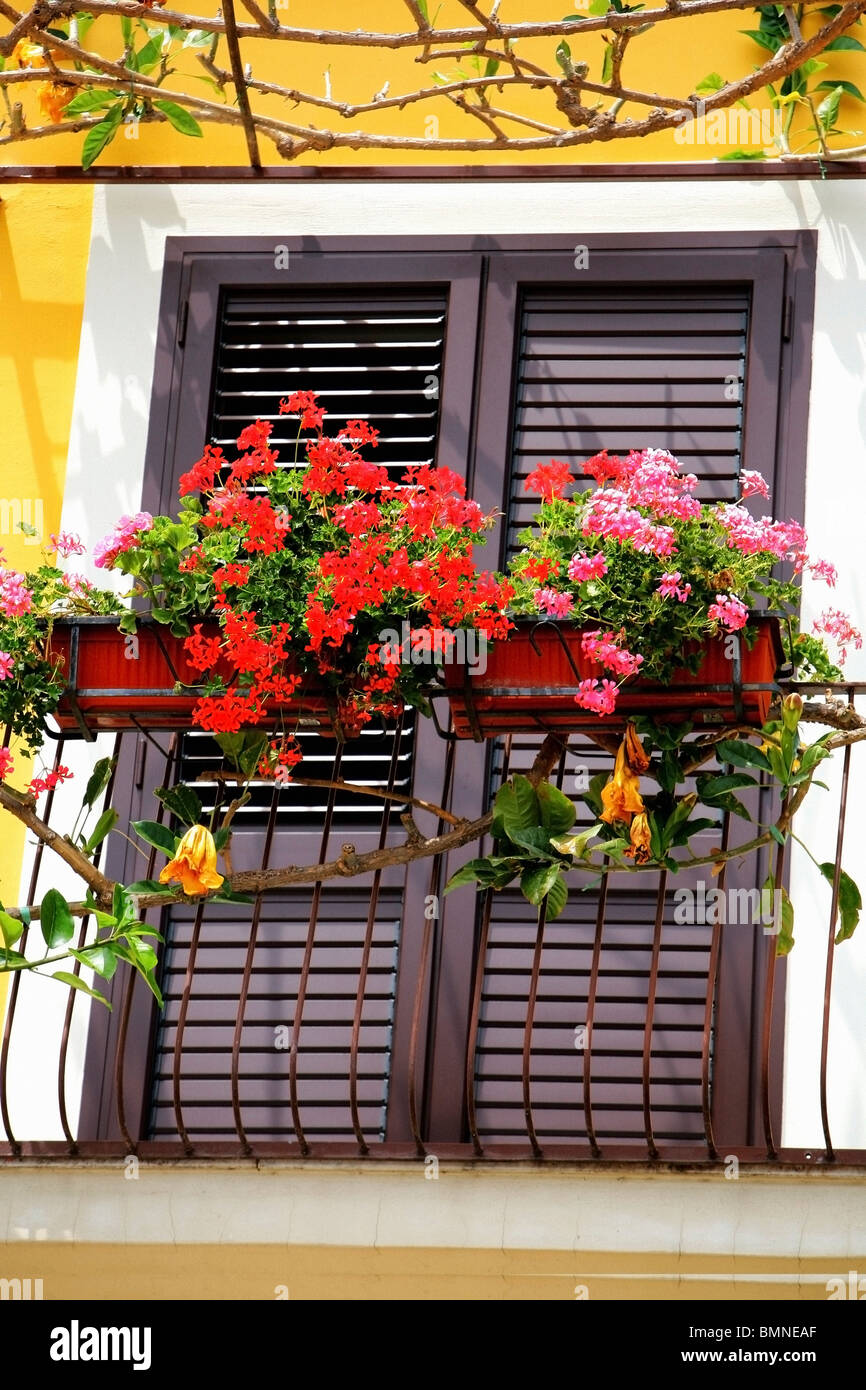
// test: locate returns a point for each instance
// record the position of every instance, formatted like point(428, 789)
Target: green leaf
point(828, 110)
point(741, 754)
point(556, 809)
point(850, 901)
point(771, 44)
point(576, 844)
point(677, 819)
point(225, 895)
point(104, 826)
point(182, 802)
point(777, 835)
point(157, 835)
point(535, 841)
point(100, 958)
point(11, 929)
point(179, 118)
point(198, 38)
point(535, 884)
point(728, 802)
point(516, 806)
point(150, 885)
point(89, 101)
point(67, 978)
point(144, 955)
point(476, 871)
point(743, 154)
point(691, 828)
point(230, 745)
point(119, 902)
point(98, 781)
point(251, 755)
point(128, 953)
point(785, 939)
point(599, 7)
point(847, 87)
point(148, 56)
point(55, 919)
point(13, 960)
point(557, 897)
point(711, 83)
point(101, 135)
point(713, 787)
point(222, 836)
point(607, 63)
point(563, 57)
point(844, 43)
point(126, 29)
point(491, 67)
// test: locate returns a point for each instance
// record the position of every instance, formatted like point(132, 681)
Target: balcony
point(374, 1018)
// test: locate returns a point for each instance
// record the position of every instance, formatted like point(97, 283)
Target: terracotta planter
point(531, 680)
point(118, 683)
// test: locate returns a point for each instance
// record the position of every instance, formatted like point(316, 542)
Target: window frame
point(485, 274)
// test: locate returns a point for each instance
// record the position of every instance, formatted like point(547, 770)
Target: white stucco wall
point(110, 427)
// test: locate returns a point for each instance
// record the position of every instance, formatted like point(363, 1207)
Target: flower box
point(531, 680)
point(118, 682)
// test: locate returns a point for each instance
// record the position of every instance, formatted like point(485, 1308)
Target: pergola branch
point(489, 39)
point(831, 712)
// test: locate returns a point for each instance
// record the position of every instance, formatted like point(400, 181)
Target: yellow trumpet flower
point(641, 839)
point(54, 97)
point(194, 863)
point(621, 797)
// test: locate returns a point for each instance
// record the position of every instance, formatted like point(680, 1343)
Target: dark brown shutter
point(377, 359)
point(325, 1044)
point(616, 369)
point(630, 369)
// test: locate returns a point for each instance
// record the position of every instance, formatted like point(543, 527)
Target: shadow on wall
point(37, 333)
point(112, 402)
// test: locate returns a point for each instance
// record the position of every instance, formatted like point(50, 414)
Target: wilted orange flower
point(634, 750)
point(640, 839)
point(194, 863)
point(54, 97)
point(621, 796)
point(28, 55)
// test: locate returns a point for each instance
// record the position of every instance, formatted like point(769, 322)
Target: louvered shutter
point(604, 367)
point(379, 359)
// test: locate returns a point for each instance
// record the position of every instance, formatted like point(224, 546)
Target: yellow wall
point(672, 58)
point(72, 1271)
point(44, 238)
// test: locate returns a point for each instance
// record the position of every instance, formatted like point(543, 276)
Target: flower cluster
point(304, 563)
point(31, 681)
point(125, 535)
point(49, 781)
point(642, 513)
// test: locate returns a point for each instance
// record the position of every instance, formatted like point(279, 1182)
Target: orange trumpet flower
point(194, 863)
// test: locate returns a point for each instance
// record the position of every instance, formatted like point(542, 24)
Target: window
point(487, 355)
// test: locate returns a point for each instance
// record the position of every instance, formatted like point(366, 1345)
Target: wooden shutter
point(323, 1091)
point(379, 359)
point(630, 369)
point(616, 367)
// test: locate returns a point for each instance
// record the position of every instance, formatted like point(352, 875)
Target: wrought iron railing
point(393, 1056)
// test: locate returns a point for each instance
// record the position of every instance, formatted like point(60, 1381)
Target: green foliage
point(850, 901)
